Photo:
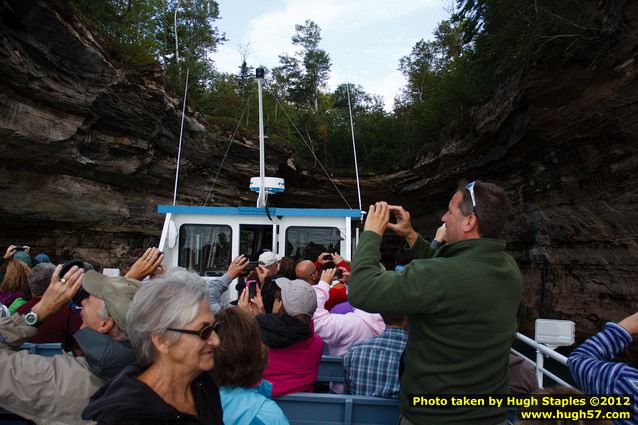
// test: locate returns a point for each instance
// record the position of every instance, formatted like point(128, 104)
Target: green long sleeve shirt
point(461, 301)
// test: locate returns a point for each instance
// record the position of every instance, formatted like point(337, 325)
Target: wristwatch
point(31, 319)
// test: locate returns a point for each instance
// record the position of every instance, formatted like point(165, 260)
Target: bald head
point(307, 271)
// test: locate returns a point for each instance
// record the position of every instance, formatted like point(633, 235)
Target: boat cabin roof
point(273, 211)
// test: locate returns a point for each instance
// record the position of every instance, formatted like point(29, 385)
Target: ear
point(106, 325)
point(161, 343)
point(277, 306)
point(470, 223)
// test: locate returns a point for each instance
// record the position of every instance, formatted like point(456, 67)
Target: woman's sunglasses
point(204, 333)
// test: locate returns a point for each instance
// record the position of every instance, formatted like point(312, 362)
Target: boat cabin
point(206, 239)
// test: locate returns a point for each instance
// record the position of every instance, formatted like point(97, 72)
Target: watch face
point(31, 318)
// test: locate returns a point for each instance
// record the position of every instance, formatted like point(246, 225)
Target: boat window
point(254, 238)
point(306, 243)
point(205, 248)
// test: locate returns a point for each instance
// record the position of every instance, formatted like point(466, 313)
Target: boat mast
point(262, 184)
point(261, 199)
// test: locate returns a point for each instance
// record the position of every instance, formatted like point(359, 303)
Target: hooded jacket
point(54, 390)
point(127, 400)
point(340, 331)
point(294, 353)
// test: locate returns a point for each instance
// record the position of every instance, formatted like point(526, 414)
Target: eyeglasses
point(316, 270)
point(470, 188)
point(204, 333)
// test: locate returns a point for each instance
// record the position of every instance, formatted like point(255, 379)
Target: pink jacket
point(294, 369)
point(340, 331)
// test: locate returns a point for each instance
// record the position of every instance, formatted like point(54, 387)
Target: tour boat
point(206, 238)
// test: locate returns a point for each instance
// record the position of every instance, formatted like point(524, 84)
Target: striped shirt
point(591, 366)
point(372, 366)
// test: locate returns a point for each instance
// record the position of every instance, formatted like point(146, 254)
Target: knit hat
point(116, 292)
point(297, 296)
point(42, 258)
point(22, 256)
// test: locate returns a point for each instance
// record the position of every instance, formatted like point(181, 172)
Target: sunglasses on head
point(204, 333)
point(470, 188)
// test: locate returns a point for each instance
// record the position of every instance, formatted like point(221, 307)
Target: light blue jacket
point(251, 406)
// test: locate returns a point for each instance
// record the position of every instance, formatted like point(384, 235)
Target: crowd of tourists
point(158, 345)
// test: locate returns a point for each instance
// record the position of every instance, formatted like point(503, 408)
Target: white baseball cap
point(268, 258)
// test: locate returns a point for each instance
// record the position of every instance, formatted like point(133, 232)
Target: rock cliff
point(88, 151)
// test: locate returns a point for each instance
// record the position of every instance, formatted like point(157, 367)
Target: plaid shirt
point(372, 366)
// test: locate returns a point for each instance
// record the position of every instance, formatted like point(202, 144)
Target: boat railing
point(548, 335)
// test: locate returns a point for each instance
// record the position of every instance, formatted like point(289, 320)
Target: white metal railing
point(553, 334)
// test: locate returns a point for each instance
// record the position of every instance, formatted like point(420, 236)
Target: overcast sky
point(364, 38)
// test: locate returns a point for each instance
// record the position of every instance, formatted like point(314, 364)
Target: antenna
point(354, 146)
point(181, 132)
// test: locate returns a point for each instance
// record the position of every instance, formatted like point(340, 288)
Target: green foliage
point(145, 30)
point(299, 78)
point(482, 43)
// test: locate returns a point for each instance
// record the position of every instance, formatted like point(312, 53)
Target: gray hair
point(39, 278)
point(171, 301)
point(116, 332)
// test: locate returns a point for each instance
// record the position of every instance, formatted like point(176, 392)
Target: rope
point(311, 151)
point(181, 133)
point(230, 142)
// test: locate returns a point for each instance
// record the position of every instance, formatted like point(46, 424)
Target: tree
point(359, 99)
point(419, 67)
point(145, 30)
point(303, 75)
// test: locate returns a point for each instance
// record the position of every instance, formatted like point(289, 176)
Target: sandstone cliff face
point(89, 151)
point(563, 144)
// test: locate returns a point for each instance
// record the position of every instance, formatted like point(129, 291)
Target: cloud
point(366, 37)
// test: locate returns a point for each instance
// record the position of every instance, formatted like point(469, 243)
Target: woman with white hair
point(172, 330)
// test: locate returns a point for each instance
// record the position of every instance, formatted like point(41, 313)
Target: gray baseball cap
point(297, 296)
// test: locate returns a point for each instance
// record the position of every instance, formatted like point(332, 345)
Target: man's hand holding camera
point(378, 221)
point(345, 275)
point(324, 257)
point(378, 218)
point(12, 249)
point(327, 275)
point(237, 266)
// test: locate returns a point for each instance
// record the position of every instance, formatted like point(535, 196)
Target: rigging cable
point(181, 132)
point(354, 146)
point(230, 142)
point(311, 151)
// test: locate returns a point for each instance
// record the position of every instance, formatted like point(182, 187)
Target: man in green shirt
point(461, 301)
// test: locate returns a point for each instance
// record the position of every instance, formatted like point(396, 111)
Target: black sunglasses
point(204, 333)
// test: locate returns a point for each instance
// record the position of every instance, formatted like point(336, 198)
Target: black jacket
point(127, 400)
